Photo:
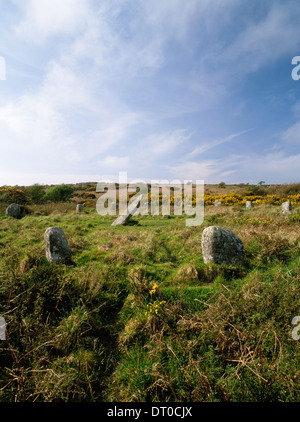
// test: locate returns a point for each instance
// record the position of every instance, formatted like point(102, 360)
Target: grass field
point(140, 317)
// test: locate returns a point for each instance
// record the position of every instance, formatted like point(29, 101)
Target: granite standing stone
point(79, 208)
point(249, 205)
point(123, 218)
point(222, 246)
point(57, 247)
point(14, 210)
point(217, 203)
point(287, 207)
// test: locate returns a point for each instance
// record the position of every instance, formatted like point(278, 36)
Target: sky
point(160, 89)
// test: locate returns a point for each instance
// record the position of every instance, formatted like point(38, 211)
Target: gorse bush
point(36, 193)
point(13, 195)
point(59, 193)
point(227, 198)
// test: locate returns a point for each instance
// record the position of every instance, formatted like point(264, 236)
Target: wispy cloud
point(292, 134)
point(271, 167)
point(207, 170)
point(44, 19)
point(212, 144)
point(162, 144)
point(27, 178)
point(264, 40)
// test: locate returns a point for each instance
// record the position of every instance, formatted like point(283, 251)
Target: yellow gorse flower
point(226, 199)
point(154, 308)
point(245, 220)
point(153, 290)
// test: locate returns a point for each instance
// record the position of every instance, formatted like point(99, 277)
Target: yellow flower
point(153, 290)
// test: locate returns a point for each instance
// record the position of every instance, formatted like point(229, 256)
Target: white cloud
point(114, 164)
point(31, 122)
point(44, 18)
point(63, 120)
point(292, 134)
point(271, 167)
point(175, 19)
point(65, 88)
point(133, 36)
point(28, 179)
point(73, 116)
point(163, 144)
point(212, 144)
point(207, 170)
point(41, 120)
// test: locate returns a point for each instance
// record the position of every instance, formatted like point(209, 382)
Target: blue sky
point(162, 89)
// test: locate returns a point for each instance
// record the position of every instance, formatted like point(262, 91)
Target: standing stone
point(221, 246)
point(130, 211)
point(14, 210)
point(248, 205)
point(57, 247)
point(287, 207)
point(79, 208)
point(217, 203)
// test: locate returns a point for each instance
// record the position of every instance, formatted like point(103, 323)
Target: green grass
point(84, 332)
